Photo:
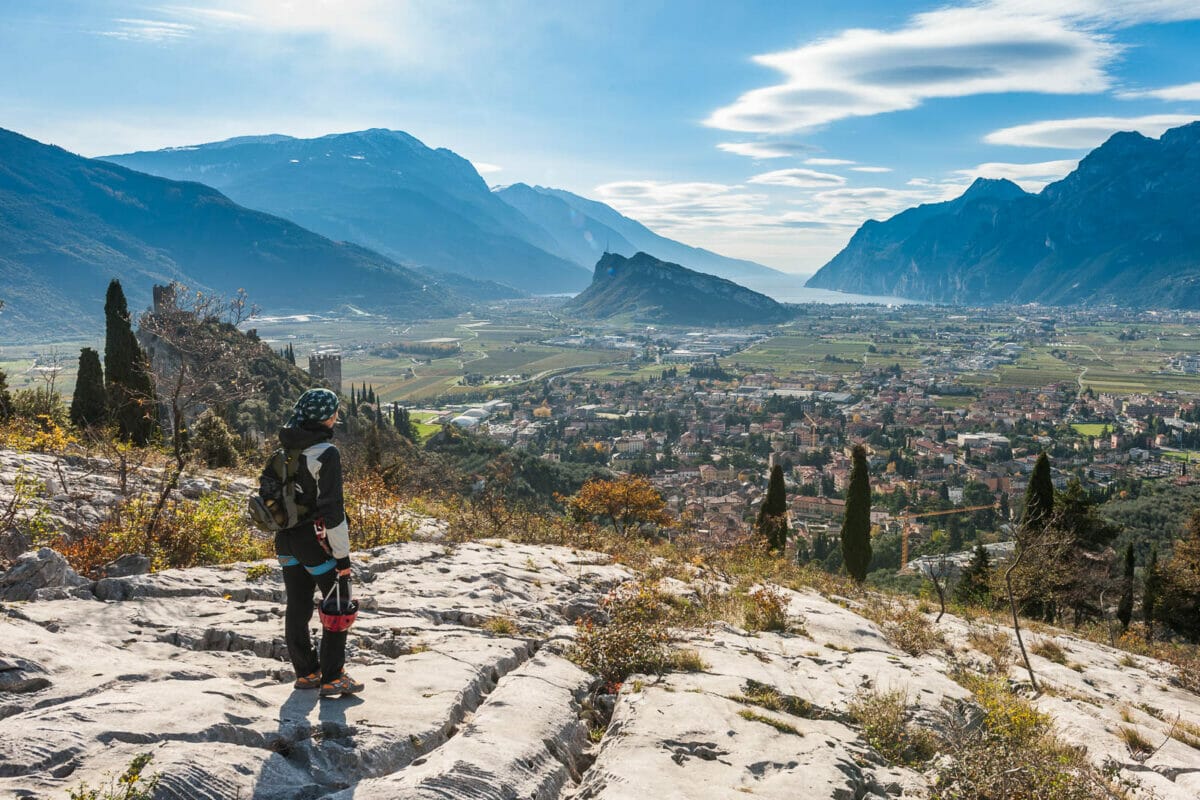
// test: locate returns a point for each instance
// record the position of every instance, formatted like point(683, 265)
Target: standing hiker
point(315, 553)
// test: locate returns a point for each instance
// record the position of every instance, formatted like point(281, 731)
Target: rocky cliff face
point(645, 289)
point(1119, 229)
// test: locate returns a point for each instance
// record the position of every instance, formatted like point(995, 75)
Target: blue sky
point(766, 130)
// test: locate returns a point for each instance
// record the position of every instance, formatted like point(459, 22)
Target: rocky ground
point(469, 691)
point(469, 694)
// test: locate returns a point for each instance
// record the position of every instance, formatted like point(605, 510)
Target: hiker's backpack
point(276, 506)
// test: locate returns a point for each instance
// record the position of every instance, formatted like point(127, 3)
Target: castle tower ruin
point(326, 367)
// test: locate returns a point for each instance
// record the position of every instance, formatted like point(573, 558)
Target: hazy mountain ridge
point(646, 289)
point(585, 229)
point(385, 190)
point(1120, 228)
point(69, 224)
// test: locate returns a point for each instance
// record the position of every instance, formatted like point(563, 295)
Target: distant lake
point(791, 289)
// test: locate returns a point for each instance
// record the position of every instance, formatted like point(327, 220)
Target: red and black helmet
point(337, 612)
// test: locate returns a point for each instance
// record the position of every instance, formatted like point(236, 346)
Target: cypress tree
point(291, 354)
point(126, 374)
point(6, 408)
point(89, 406)
point(772, 516)
point(1039, 495)
point(820, 547)
point(1125, 607)
point(1150, 589)
point(856, 525)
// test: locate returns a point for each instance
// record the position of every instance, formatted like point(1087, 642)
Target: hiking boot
point(343, 685)
point(310, 681)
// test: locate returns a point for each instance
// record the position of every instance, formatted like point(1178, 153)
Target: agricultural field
point(504, 346)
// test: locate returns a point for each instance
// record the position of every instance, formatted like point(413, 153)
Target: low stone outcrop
point(42, 575)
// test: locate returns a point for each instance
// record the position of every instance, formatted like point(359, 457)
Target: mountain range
point(643, 288)
point(1121, 228)
point(584, 229)
point(426, 208)
point(70, 224)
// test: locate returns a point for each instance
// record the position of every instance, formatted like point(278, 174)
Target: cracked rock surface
point(189, 665)
point(469, 695)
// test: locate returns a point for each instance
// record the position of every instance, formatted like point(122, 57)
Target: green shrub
point(256, 572)
point(885, 718)
point(131, 785)
point(191, 533)
point(770, 698)
point(213, 442)
point(1012, 753)
point(904, 626)
point(634, 640)
point(766, 610)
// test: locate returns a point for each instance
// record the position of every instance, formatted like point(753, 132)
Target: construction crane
point(905, 517)
point(814, 427)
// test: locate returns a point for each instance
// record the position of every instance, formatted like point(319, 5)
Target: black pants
point(301, 555)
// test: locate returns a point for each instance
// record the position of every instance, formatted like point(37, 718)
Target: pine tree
point(126, 373)
point(291, 354)
point(772, 516)
point(1150, 589)
point(974, 587)
point(1125, 607)
point(89, 406)
point(213, 442)
point(856, 525)
point(1179, 591)
point(1039, 496)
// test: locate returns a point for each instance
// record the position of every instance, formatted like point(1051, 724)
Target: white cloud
point(1083, 132)
point(148, 30)
point(855, 205)
point(1106, 12)
point(952, 52)
point(483, 168)
point(798, 178)
point(870, 169)
point(684, 206)
point(1185, 91)
point(762, 150)
point(1031, 177)
point(827, 162)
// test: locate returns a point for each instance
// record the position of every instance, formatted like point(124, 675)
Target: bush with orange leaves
point(627, 503)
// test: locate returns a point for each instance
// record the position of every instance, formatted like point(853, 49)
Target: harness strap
point(321, 569)
point(289, 561)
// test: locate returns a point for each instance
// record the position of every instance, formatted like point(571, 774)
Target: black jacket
point(320, 478)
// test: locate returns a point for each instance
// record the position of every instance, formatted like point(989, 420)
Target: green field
point(1091, 428)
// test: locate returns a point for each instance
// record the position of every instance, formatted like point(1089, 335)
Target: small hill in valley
point(645, 289)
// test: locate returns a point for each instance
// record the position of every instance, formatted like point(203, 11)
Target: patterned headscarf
point(315, 405)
